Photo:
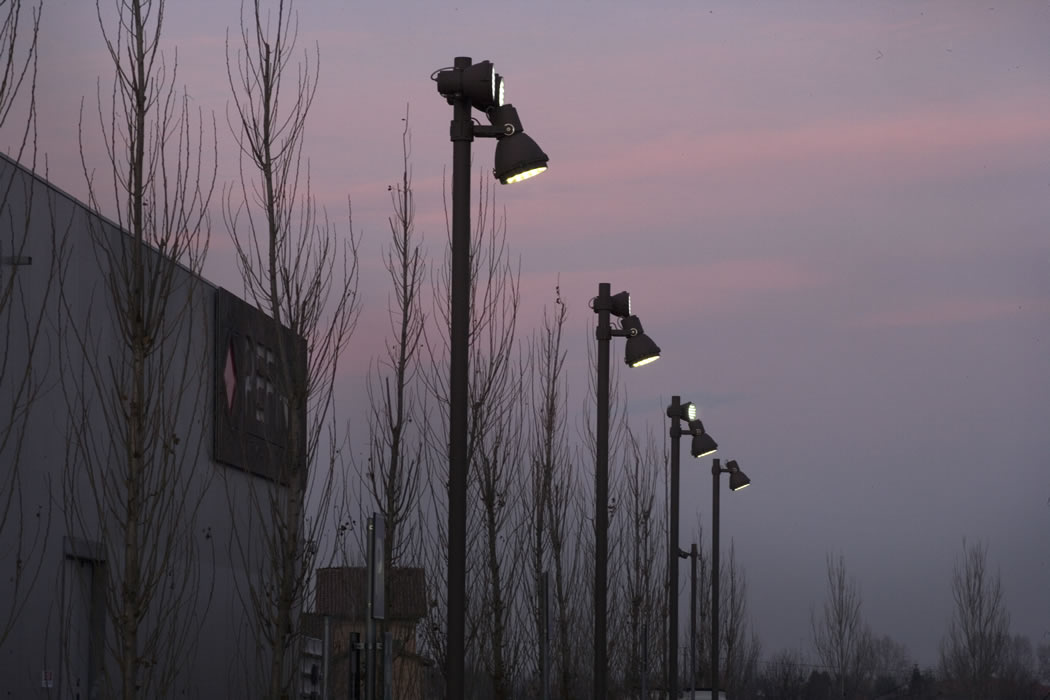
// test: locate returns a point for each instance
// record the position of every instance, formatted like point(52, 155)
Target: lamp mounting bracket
point(492, 132)
point(461, 130)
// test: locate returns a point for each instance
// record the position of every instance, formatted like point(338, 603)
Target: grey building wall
point(53, 546)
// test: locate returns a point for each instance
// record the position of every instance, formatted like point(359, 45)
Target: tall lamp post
point(693, 554)
point(737, 481)
point(469, 86)
point(703, 445)
point(639, 350)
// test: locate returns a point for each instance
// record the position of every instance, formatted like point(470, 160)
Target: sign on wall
point(258, 368)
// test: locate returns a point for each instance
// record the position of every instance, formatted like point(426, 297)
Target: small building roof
point(342, 592)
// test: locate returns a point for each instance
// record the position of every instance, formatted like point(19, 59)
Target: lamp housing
point(518, 157)
point(478, 82)
point(639, 349)
point(683, 411)
point(702, 445)
point(620, 304)
point(737, 478)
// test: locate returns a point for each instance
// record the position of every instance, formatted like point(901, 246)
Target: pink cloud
point(940, 312)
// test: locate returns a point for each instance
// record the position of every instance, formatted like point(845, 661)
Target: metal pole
point(716, 470)
point(388, 665)
point(692, 622)
point(370, 623)
point(326, 658)
point(672, 551)
point(601, 492)
point(459, 351)
point(645, 656)
point(545, 606)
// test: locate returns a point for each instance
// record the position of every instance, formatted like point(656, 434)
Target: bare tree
point(548, 456)
point(973, 649)
point(841, 637)
point(740, 645)
point(1018, 677)
point(496, 418)
point(702, 662)
point(640, 525)
point(133, 480)
point(24, 363)
point(494, 444)
point(394, 467)
point(1042, 653)
point(566, 518)
point(616, 556)
point(891, 665)
point(785, 676)
point(296, 270)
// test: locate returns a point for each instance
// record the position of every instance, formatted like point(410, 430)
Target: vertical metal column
point(370, 623)
point(716, 470)
point(692, 622)
point(461, 134)
point(601, 494)
point(672, 552)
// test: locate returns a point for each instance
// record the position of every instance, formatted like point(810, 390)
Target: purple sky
point(833, 217)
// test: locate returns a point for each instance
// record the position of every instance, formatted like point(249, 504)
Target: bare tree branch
point(133, 479)
point(296, 270)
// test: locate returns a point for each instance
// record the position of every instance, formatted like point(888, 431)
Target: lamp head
point(478, 82)
point(703, 443)
point(683, 411)
point(737, 478)
point(639, 349)
point(518, 157)
point(620, 304)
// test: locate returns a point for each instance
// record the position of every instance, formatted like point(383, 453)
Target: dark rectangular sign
point(259, 368)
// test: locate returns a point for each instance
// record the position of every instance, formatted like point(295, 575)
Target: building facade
point(85, 515)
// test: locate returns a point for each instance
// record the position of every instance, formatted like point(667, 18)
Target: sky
point(833, 217)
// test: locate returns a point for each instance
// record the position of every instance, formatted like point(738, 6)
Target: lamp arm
point(606, 332)
point(492, 131)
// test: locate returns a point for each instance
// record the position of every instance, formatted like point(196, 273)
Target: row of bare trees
point(530, 510)
point(978, 657)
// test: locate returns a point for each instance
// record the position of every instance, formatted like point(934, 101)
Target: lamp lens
point(690, 411)
point(525, 175)
point(645, 361)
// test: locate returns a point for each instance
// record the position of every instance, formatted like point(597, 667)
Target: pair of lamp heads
point(518, 157)
point(639, 349)
point(704, 444)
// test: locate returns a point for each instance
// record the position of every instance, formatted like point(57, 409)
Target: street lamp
point(693, 554)
point(703, 444)
point(469, 86)
point(737, 481)
point(639, 350)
